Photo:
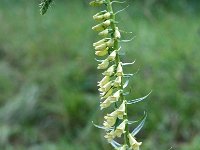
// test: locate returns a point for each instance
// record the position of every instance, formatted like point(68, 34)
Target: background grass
point(48, 75)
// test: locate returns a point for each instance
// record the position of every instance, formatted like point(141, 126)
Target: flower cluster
point(111, 86)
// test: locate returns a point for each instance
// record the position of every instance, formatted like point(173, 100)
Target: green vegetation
point(48, 76)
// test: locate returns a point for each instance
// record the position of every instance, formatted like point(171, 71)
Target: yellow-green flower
point(133, 143)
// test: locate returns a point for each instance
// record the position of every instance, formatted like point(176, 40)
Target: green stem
point(117, 61)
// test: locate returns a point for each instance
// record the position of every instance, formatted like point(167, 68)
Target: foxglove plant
point(112, 86)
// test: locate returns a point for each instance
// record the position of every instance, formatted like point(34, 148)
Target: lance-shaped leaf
point(139, 127)
point(125, 64)
point(126, 84)
point(118, 2)
point(132, 122)
point(45, 4)
point(115, 144)
point(125, 41)
point(138, 99)
point(122, 10)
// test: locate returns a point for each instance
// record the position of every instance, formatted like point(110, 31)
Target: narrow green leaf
point(138, 99)
point(125, 64)
point(139, 127)
point(126, 84)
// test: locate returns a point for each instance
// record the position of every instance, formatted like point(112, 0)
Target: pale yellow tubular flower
point(106, 94)
point(112, 56)
point(110, 136)
point(104, 33)
point(96, 3)
point(98, 17)
point(98, 27)
point(109, 100)
point(119, 70)
point(101, 47)
point(106, 23)
point(99, 42)
point(104, 81)
point(116, 95)
point(107, 86)
point(110, 43)
point(120, 129)
point(104, 64)
point(110, 121)
point(109, 71)
point(107, 15)
point(133, 143)
point(117, 34)
point(120, 112)
point(102, 53)
point(118, 81)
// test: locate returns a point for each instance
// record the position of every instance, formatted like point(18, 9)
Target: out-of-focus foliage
point(48, 75)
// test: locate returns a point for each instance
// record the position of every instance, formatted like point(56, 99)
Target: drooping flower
point(104, 81)
point(104, 64)
point(118, 81)
point(102, 53)
point(109, 71)
point(120, 129)
point(117, 34)
point(112, 56)
point(119, 70)
point(133, 143)
point(104, 33)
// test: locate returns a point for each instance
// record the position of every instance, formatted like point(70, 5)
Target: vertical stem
point(117, 61)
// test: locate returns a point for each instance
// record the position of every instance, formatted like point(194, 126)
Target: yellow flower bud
point(134, 144)
point(104, 64)
point(112, 56)
point(119, 70)
point(107, 15)
point(110, 43)
point(99, 42)
point(101, 47)
point(98, 17)
point(109, 71)
point(104, 33)
point(102, 53)
point(98, 27)
point(96, 3)
point(106, 23)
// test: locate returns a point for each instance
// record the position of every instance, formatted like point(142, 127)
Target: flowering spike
point(111, 87)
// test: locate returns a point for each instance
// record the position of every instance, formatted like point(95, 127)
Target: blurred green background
point(48, 93)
